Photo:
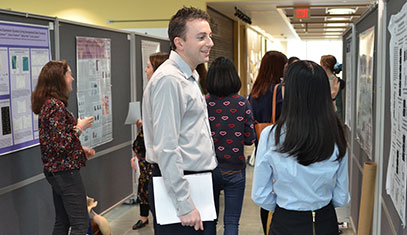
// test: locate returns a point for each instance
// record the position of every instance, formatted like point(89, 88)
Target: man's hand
point(192, 219)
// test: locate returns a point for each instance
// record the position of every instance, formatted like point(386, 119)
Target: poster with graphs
point(24, 50)
point(94, 89)
point(364, 91)
point(396, 170)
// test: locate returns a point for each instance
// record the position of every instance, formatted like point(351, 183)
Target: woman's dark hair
point(156, 59)
point(177, 25)
point(203, 73)
point(222, 79)
point(51, 83)
point(270, 72)
point(292, 59)
point(312, 128)
point(328, 62)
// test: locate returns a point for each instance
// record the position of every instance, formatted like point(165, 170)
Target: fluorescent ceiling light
point(339, 11)
point(337, 24)
point(337, 18)
point(333, 33)
point(331, 29)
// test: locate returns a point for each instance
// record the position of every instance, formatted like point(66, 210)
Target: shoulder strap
point(273, 114)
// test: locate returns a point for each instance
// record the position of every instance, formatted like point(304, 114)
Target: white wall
point(314, 49)
point(157, 32)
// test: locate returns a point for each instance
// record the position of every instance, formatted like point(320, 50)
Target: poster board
point(364, 90)
point(24, 50)
point(94, 94)
point(396, 177)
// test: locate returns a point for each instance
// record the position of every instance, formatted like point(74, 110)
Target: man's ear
point(179, 43)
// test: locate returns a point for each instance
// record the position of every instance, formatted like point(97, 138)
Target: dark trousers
point(70, 202)
point(170, 229)
point(289, 222)
point(233, 183)
point(144, 208)
point(264, 214)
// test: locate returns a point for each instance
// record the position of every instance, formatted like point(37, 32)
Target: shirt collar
point(183, 66)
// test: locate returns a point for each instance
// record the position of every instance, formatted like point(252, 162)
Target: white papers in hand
point(200, 186)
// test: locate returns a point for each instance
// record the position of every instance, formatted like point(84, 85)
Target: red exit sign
point(302, 13)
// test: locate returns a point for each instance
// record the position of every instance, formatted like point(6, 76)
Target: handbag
point(260, 126)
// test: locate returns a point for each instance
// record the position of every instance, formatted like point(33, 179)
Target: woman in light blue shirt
point(301, 170)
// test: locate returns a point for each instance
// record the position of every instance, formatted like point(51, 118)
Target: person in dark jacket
point(261, 97)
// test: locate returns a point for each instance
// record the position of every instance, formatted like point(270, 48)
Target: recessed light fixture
point(341, 11)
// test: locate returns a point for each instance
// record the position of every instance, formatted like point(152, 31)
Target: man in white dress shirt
point(176, 128)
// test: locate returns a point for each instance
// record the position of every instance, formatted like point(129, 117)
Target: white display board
point(147, 48)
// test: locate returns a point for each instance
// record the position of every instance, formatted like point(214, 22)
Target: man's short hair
point(177, 25)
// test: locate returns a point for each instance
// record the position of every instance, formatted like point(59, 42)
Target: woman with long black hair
point(301, 170)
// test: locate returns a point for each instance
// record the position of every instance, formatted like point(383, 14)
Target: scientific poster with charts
point(348, 84)
point(94, 89)
point(364, 92)
point(396, 170)
point(24, 50)
point(147, 48)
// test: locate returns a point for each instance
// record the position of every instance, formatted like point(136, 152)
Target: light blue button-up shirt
point(280, 179)
point(176, 128)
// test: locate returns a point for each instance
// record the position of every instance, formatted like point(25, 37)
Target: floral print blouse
point(60, 146)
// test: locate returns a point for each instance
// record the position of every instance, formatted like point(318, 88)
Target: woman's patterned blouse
point(60, 146)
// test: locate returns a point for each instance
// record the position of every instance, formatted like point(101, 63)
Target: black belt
point(322, 211)
point(157, 172)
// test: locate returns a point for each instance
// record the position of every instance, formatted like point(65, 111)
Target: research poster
point(94, 93)
point(348, 84)
point(396, 169)
point(364, 91)
point(24, 50)
point(147, 48)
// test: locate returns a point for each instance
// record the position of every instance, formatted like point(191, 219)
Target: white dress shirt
point(176, 128)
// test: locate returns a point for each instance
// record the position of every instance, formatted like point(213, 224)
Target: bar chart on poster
point(24, 50)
